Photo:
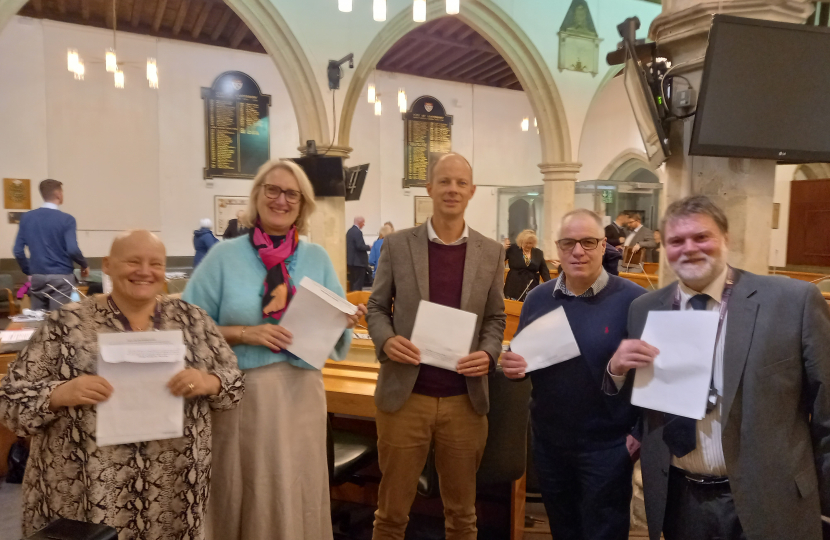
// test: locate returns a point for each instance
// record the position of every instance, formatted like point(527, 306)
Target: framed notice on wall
point(17, 194)
point(237, 130)
point(427, 130)
point(423, 210)
point(225, 209)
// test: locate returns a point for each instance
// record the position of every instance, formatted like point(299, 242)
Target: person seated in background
point(374, 254)
point(234, 228)
point(654, 254)
point(527, 265)
point(154, 490)
point(203, 240)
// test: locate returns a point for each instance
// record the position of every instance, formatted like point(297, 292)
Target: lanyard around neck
point(126, 323)
point(724, 305)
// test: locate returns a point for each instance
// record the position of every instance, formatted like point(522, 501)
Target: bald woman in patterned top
point(155, 490)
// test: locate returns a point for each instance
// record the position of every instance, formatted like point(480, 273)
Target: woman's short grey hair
point(695, 205)
point(307, 203)
point(524, 236)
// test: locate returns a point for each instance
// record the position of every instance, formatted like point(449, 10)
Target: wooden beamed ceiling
point(210, 22)
point(450, 50)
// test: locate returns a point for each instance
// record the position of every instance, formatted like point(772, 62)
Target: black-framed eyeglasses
point(274, 192)
point(567, 244)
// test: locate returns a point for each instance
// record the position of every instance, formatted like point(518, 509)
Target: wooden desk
point(350, 384)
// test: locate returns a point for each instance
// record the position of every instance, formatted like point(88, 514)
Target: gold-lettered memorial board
point(427, 130)
point(17, 194)
point(423, 210)
point(225, 209)
point(237, 128)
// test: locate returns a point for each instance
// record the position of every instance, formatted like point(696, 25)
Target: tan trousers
point(404, 438)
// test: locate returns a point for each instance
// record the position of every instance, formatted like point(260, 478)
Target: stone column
point(327, 225)
point(742, 187)
point(560, 181)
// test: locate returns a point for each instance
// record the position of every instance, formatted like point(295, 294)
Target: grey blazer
point(775, 410)
point(402, 281)
point(644, 237)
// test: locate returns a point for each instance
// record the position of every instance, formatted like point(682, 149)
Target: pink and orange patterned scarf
point(278, 289)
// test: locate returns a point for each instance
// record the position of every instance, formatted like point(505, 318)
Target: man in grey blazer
point(639, 237)
point(757, 466)
point(445, 262)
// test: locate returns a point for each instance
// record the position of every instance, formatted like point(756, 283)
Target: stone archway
point(273, 32)
point(625, 164)
point(496, 26)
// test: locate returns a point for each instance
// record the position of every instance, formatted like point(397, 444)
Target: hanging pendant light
point(525, 124)
point(72, 60)
point(344, 5)
point(111, 63)
point(371, 93)
point(402, 100)
point(119, 79)
point(419, 11)
point(79, 70)
point(453, 7)
point(379, 10)
point(377, 106)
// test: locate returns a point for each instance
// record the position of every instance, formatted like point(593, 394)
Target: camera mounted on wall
point(335, 70)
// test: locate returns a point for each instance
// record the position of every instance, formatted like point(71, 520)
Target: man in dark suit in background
point(615, 233)
point(357, 254)
point(757, 466)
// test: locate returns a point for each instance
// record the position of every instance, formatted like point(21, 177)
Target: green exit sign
point(607, 196)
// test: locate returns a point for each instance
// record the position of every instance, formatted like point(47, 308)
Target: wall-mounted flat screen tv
point(765, 92)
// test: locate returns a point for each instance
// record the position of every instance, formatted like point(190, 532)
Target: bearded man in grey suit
point(445, 262)
point(757, 466)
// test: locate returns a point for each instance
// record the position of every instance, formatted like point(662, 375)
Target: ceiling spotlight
point(525, 124)
point(379, 10)
point(453, 7)
point(419, 11)
point(371, 93)
point(377, 106)
point(344, 5)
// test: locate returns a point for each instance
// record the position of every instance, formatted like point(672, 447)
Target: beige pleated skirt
point(270, 474)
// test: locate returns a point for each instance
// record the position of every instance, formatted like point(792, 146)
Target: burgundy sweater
point(446, 274)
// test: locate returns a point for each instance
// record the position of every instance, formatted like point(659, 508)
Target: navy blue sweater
point(53, 244)
point(568, 407)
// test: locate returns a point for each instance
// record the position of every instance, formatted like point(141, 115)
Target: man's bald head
point(134, 239)
point(450, 159)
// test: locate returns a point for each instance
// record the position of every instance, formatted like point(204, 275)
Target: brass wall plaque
point(237, 128)
point(427, 130)
point(17, 194)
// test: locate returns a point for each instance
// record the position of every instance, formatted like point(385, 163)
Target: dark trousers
point(586, 492)
point(700, 511)
point(43, 287)
point(356, 275)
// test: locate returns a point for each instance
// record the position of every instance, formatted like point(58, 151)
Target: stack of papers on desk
point(316, 318)
point(546, 341)
point(443, 334)
point(141, 408)
point(678, 381)
point(16, 336)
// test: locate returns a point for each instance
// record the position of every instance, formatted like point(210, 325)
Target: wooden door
point(808, 239)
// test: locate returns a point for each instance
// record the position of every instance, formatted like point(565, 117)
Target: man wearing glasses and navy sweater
point(579, 433)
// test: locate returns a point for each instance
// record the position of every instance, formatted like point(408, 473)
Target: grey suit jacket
point(644, 237)
point(775, 409)
point(402, 281)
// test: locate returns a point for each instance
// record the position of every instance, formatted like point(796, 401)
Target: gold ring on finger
point(190, 386)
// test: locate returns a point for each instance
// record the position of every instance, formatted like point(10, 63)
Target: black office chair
point(348, 453)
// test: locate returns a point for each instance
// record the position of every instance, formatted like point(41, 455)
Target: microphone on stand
point(529, 283)
point(53, 299)
point(59, 291)
point(74, 288)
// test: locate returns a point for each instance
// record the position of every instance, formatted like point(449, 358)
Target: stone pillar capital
point(334, 151)
point(690, 20)
point(558, 172)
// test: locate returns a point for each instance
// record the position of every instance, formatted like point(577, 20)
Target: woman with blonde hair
point(374, 254)
point(527, 265)
point(270, 474)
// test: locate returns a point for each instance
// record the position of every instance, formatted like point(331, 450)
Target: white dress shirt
point(50, 205)
point(434, 237)
point(707, 457)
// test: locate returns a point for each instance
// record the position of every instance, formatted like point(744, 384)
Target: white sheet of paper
point(443, 334)
point(316, 318)
point(546, 341)
point(141, 408)
point(16, 336)
point(678, 381)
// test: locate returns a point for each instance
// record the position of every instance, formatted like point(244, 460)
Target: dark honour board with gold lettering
point(427, 130)
point(237, 128)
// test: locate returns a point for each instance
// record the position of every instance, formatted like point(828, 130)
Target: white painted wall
point(486, 130)
point(128, 158)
